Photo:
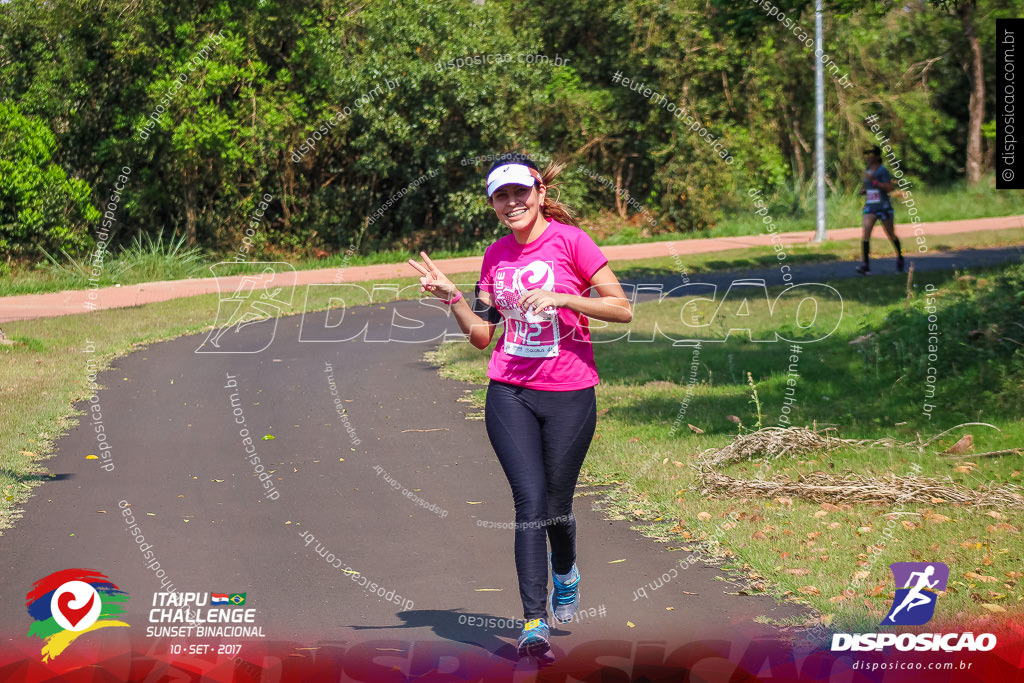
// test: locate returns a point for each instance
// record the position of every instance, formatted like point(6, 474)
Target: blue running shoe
point(535, 638)
point(565, 597)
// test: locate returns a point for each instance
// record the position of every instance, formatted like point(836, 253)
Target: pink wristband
point(454, 299)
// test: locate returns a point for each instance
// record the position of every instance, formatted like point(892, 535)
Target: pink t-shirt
point(554, 352)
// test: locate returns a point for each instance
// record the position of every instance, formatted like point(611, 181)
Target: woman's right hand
point(433, 280)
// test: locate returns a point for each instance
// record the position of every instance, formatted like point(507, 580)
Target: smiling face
point(518, 207)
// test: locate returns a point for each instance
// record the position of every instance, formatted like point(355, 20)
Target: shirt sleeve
point(588, 257)
point(486, 284)
point(883, 175)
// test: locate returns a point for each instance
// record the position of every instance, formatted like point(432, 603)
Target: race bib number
point(531, 340)
point(527, 334)
point(874, 196)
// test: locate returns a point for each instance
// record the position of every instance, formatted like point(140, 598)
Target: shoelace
point(565, 594)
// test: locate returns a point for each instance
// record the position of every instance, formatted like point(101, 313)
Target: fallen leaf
point(617, 561)
point(964, 445)
point(475, 502)
point(630, 624)
point(830, 507)
point(101, 512)
point(798, 571)
point(935, 518)
point(703, 515)
point(973, 576)
point(908, 525)
point(821, 513)
point(1002, 526)
point(695, 430)
point(1015, 575)
point(92, 457)
point(341, 459)
point(936, 501)
point(837, 598)
point(993, 608)
point(834, 525)
point(759, 536)
point(733, 419)
point(670, 608)
point(489, 590)
point(268, 437)
point(809, 590)
point(787, 502)
point(993, 514)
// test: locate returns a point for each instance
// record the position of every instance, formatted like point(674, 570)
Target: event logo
point(254, 300)
point(70, 603)
point(914, 603)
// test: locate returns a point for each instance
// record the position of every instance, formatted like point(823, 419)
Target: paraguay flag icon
point(916, 587)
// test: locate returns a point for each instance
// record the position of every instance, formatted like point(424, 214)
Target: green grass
point(955, 203)
point(795, 548)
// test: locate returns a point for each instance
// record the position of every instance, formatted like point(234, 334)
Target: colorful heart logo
point(85, 611)
point(73, 615)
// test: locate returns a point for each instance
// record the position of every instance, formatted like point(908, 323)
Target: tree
point(39, 204)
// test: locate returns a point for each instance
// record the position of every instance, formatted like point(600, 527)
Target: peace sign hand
point(433, 280)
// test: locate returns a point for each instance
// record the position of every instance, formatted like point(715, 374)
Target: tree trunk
point(976, 108)
point(190, 207)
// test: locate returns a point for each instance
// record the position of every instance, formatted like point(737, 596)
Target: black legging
point(541, 439)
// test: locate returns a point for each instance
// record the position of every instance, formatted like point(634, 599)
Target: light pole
point(819, 125)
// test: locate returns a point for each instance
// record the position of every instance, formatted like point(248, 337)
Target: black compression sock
point(865, 248)
point(896, 243)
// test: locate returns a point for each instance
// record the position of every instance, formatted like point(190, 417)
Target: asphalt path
point(180, 467)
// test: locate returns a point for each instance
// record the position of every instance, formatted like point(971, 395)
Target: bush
point(39, 205)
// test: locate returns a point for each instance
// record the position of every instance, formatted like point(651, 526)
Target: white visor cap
point(517, 174)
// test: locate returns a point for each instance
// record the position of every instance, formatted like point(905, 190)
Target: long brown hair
point(552, 208)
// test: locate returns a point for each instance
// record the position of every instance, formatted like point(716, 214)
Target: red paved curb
point(32, 306)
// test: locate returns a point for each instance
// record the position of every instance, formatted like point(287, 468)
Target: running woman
point(541, 412)
point(877, 186)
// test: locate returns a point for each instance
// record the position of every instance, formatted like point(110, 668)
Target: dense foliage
point(343, 110)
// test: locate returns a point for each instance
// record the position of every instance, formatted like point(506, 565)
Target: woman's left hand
point(541, 300)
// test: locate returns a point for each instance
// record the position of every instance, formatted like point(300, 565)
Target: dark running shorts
point(884, 213)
